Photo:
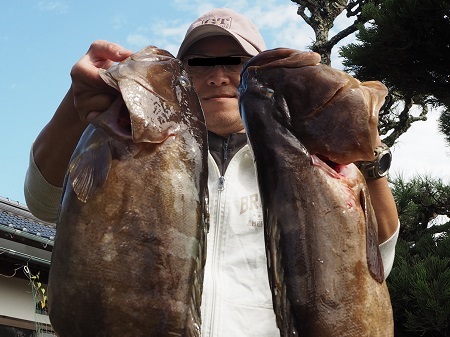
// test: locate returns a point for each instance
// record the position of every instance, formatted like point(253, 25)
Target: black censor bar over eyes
point(214, 61)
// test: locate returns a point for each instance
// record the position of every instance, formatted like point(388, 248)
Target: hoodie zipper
point(225, 159)
point(221, 187)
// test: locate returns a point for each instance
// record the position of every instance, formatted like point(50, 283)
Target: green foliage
point(419, 200)
point(407, 46)
point(444, 125)
point(320, 16)
point(39, 292)
point(419, 285)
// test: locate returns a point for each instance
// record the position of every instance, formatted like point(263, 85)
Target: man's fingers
point(105, 50)
point(89, 106)
point(92, 95)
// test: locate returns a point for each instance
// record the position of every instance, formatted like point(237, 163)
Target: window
point(45, 333)
point(10, 331)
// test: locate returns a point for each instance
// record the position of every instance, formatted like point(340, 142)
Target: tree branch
point(342, 34)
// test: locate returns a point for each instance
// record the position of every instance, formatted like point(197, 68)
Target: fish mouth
point(116, 120)
point(334, 169)
point(123, 125)
point(148, 104)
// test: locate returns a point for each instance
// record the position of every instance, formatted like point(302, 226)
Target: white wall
point(16, 300)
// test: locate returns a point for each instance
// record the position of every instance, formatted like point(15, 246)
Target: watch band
point(379, 167)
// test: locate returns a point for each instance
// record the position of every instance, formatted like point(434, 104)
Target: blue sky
point(41, 40)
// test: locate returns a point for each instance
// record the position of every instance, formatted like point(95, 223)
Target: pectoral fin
point(89, 169)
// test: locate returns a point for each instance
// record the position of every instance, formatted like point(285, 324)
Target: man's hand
point(88, 96)
point(91, 94)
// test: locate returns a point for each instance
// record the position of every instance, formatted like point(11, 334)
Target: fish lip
point(334, 169)
point(155, 136)
point(115, 121)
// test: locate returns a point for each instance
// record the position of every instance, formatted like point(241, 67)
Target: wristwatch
point(380, 166)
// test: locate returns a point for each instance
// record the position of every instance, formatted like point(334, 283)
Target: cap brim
point(203, 31)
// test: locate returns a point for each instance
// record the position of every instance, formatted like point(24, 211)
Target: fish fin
point(374, 260)
point(108, 78)
point(88, 170)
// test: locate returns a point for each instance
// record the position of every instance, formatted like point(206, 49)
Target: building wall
point(16, 301)
point(24, 241)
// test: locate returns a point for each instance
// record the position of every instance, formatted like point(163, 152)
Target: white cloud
point(422, 151)
point(196, 6)
point(58, 7)
point(118, 22)
point(138, 40)
point(281, 26)
point(166, 34)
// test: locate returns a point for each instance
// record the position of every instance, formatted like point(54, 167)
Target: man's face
point(217, 87)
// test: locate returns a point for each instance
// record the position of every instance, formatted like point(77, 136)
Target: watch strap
point(379, 167)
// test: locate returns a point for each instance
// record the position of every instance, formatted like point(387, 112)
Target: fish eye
point(185, 82)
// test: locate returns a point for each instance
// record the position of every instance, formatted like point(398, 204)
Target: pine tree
point(419, 283)
point(444, 125)
point(407, 46)
point(419, 201)
point(320, 16)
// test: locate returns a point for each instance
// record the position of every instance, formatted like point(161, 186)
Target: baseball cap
point(224, 21)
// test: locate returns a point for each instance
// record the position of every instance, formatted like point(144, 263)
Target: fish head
point(331, 113)
point(156, 93)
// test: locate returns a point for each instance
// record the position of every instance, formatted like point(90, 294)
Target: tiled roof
point(16, 217)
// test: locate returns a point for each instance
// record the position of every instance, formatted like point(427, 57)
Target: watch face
point(384, 164)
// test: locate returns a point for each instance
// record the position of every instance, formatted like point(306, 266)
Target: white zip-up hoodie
point(237, 300)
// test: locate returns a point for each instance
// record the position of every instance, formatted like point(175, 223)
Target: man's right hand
point(88, 96)
point(91, 94)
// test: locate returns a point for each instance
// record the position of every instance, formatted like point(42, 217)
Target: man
point(236, 299)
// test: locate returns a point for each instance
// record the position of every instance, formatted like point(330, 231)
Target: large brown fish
point(307, 123)
point(130, 247)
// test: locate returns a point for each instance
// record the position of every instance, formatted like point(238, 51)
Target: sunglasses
point(204, 65)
